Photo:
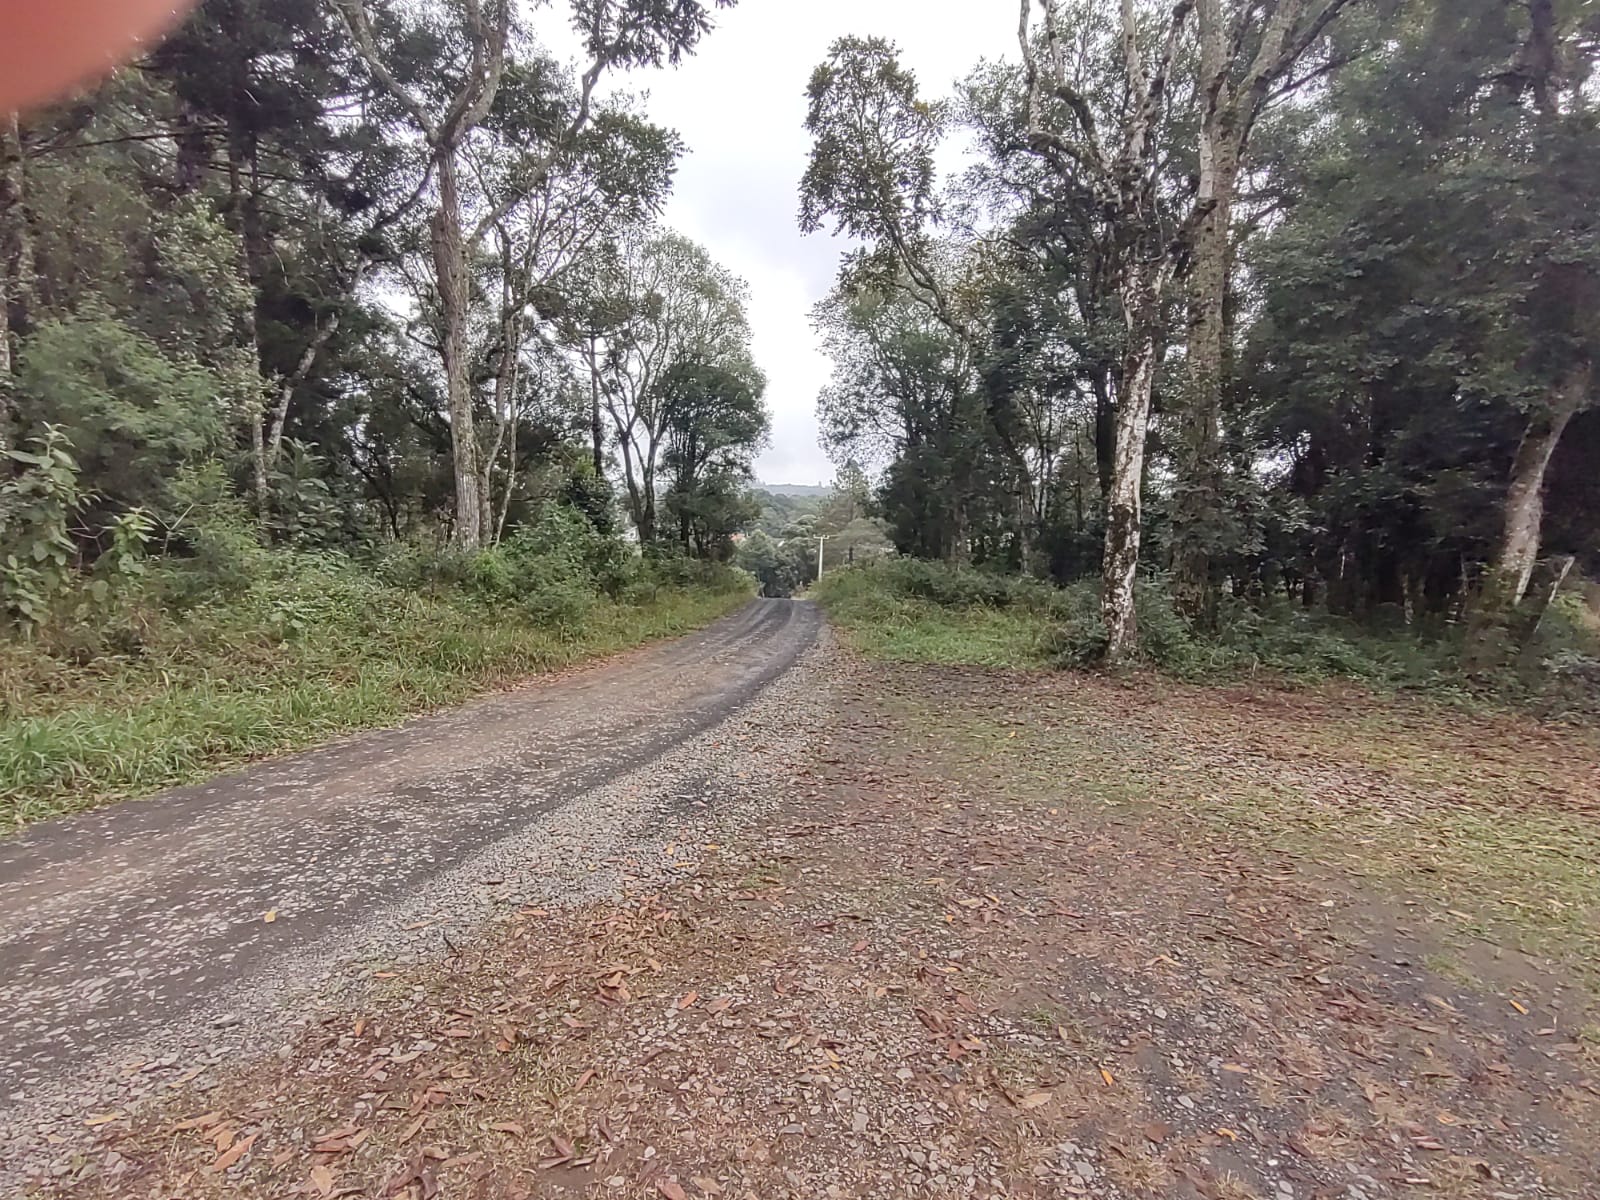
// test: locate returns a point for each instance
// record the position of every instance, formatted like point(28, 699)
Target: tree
point(715, 424)
point(1427, 335)
point(1111, 148)
point(479, 43)
point(903, 395)
point(683, 312)
point(1248, 55)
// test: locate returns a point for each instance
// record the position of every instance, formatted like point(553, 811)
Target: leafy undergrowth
point(957, 973)
point(168, 695)
point(906, 610)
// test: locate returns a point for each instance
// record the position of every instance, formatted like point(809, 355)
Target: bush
point(926, 610)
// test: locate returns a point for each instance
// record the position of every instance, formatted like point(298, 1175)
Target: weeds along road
point(147, 931)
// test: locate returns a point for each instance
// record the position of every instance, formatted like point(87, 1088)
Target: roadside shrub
point(561, 604)
point(911, 609)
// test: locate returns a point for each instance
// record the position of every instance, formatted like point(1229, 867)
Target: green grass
point(290, 663)
point(880, 620)
point(905, 610)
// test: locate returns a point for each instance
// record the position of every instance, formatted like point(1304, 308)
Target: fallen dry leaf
point(687, 1001)
point(671, 1189)
point(322, 1179)
point(270, 915)
point(1035, 1099)
point(233, 1154)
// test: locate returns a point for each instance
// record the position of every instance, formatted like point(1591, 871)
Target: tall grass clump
point(230, 651)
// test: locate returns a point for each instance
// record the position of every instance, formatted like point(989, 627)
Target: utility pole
point(821, 539)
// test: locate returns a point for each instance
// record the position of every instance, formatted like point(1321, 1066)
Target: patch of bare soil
point(954, 966)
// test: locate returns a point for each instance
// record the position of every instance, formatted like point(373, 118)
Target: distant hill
point(795, 489)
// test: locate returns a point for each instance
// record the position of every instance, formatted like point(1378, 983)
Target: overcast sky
point(739, 104)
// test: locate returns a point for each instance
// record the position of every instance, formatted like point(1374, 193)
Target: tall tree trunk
point(1141, 301)
point(647, 488)
point(450, 271)
point(1506, 583)
point(16, 269)
point(1105, 431)
point(597, 434)
point(1200, 466)
point(511, 479)
point(287, 386)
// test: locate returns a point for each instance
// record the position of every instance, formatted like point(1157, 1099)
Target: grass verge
point(906, 610)
point(289, 664)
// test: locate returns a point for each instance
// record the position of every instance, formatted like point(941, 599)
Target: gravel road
point(143, 935)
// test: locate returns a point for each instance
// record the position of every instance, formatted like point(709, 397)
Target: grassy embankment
point(161, 693)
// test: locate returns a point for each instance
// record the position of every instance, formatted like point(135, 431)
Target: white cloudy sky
point(739, 104)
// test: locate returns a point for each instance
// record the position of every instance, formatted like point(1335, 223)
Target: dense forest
point(1238, 303)
point(377, 271)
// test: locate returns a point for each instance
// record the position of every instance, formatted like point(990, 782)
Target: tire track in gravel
point(117, 924)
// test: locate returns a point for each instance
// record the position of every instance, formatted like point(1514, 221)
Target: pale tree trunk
point(1506, 583)
point(279, 416)
point(505, 400)
point(450, 273)
point(511, 480)
point(1124, 502)
point(1122, 174)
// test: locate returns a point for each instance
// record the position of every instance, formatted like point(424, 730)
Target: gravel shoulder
point(146, 942)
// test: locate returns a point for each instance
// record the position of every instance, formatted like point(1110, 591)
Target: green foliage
point(36, 505)
point(780, 568)
point(908, 609)
point(112, 703)
point(136, 414)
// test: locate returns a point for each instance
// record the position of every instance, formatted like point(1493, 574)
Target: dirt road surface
point(155, 929)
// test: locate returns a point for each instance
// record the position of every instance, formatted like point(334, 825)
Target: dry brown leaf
point(671, 1189)
point(709, 1186)
point(270, 915)
point(200, 1122)
point(583, 1081)
point(687, 1001)
point(1107, 1076)
point(234, 1153)
point(322, 1179)
point(1035, 1099)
